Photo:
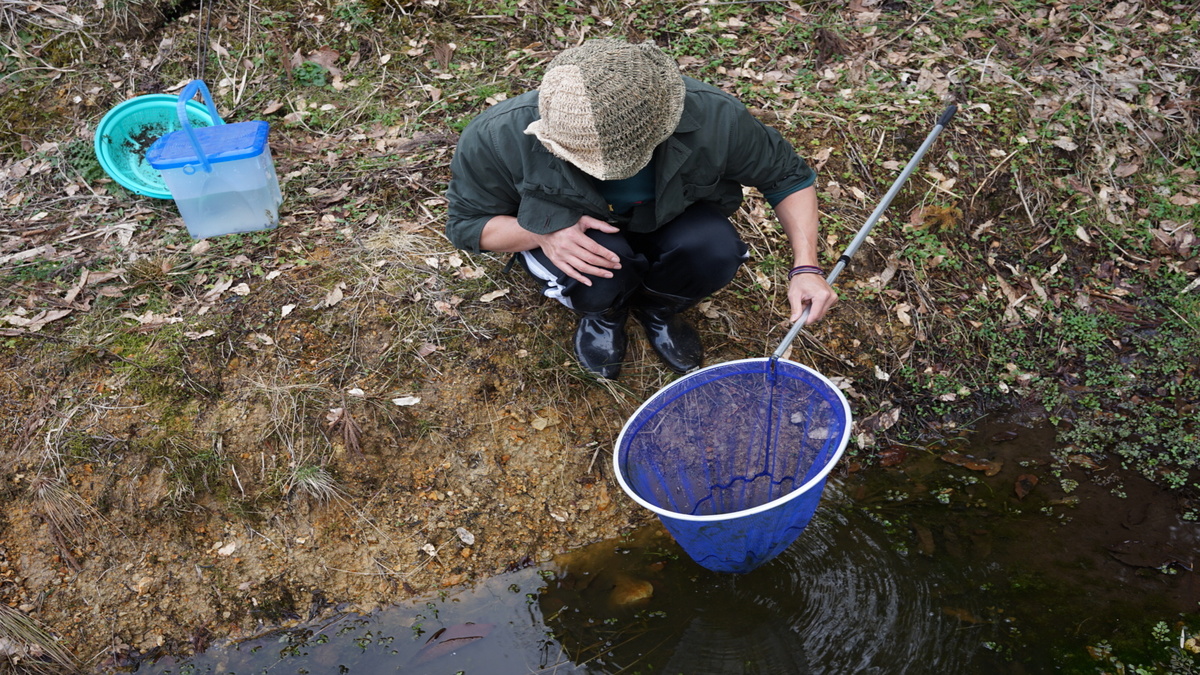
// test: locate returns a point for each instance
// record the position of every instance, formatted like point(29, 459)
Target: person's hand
point(577, 254)
point(810, 289)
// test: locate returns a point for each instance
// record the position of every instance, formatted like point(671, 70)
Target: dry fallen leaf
point(818, 160)
point(763, 280)
point(1065, 143)
point(406, 400)
point(326, 58)
point(877, 422)
point(152, 320)
point(1125, 170)
point(223, 284)
point(1084, 461)
point(488, 297)
point(335, 295)
point(38, 321)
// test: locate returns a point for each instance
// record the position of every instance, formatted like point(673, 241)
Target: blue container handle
point(181, 109)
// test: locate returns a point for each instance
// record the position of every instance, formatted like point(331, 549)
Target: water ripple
point(840, 600)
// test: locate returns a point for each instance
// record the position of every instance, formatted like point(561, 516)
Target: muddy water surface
point(976, 556)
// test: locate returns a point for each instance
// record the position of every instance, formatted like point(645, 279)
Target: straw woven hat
point(606, 104)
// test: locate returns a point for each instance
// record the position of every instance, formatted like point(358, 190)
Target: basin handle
point(181, 108)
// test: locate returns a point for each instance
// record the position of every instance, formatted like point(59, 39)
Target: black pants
point(692, 256)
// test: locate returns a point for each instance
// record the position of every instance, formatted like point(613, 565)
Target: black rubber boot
point(600, 341)
point(673, 338)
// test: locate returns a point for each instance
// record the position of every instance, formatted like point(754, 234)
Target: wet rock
point(629, 591)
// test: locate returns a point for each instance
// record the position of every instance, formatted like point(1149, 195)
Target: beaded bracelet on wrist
point(805, 269)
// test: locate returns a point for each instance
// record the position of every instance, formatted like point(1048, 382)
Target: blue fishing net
point(733, 457)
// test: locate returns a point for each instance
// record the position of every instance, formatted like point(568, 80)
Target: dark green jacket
point(717, 148)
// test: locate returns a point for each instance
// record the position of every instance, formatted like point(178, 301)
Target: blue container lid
point(222, 143)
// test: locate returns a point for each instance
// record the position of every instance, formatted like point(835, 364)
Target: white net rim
point(723, 517)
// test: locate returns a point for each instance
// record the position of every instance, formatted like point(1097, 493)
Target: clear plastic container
point(222, 178)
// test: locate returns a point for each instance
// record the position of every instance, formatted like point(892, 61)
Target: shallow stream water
point(977, 556)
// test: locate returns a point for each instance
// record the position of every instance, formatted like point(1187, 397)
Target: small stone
point(465, 536)
point(631, 591)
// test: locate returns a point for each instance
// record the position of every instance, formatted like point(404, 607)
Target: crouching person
point(614, 182)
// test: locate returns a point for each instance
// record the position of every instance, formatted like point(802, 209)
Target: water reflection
point(838, 601)
point(495, 628)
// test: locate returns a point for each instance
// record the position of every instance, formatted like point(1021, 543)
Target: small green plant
point(315, 482)
point(80, 155)
point(310, 74)
point(354, 15)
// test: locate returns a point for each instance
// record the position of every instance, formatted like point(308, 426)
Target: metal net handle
point(945, 118)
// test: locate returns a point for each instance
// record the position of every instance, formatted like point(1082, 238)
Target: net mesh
point(732, 437)
point(712, 448)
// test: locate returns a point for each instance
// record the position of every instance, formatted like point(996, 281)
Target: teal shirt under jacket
point(718, 148)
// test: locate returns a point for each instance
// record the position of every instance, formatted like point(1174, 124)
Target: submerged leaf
point(1024, 485)
point(989, 467)
point(892, 455)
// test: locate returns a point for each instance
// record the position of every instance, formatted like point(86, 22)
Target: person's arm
point(760, 156)
point(797, 214)
point(570, 249)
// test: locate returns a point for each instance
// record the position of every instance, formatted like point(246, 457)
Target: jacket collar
point(687, 123)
